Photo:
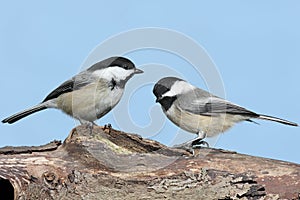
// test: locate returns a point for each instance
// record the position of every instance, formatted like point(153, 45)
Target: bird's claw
point(185, 146)
point(191, 145)
point(90, 127)
point(107, 128)
point(198, 143)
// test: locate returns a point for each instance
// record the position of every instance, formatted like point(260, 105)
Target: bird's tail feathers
point(275, 119)
point(24, 113)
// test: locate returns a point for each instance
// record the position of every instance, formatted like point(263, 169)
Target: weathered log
point(109, 164)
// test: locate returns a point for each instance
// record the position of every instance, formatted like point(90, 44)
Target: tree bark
point(108, 164)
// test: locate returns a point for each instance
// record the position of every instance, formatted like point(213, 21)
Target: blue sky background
point(255, 46)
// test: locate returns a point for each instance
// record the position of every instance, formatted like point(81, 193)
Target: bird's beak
point(158, 99)
point(138, 71)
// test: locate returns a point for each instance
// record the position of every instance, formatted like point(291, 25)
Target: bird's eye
point(125, 66)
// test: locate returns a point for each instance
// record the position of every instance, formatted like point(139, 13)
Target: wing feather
point(75, 83)
point(203, 103)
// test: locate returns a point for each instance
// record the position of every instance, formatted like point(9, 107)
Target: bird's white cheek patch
point(179, 87)
point(117, 73)
point(169, 94)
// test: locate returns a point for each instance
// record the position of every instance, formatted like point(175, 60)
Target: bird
point(90, 94)
point(200, 112)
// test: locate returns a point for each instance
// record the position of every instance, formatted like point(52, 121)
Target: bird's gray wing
point(203, 103)
point(75, 83)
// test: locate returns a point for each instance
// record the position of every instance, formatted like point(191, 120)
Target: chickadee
point(90, 94)
point(198, 111)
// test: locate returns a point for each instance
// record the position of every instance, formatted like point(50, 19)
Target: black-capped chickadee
point(90, 94)
point(198, 111)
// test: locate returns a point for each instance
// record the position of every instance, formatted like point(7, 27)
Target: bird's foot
point(198, 143)
point(187, 146)
point(107, 128)
point(190, 146)
point(90, 126)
